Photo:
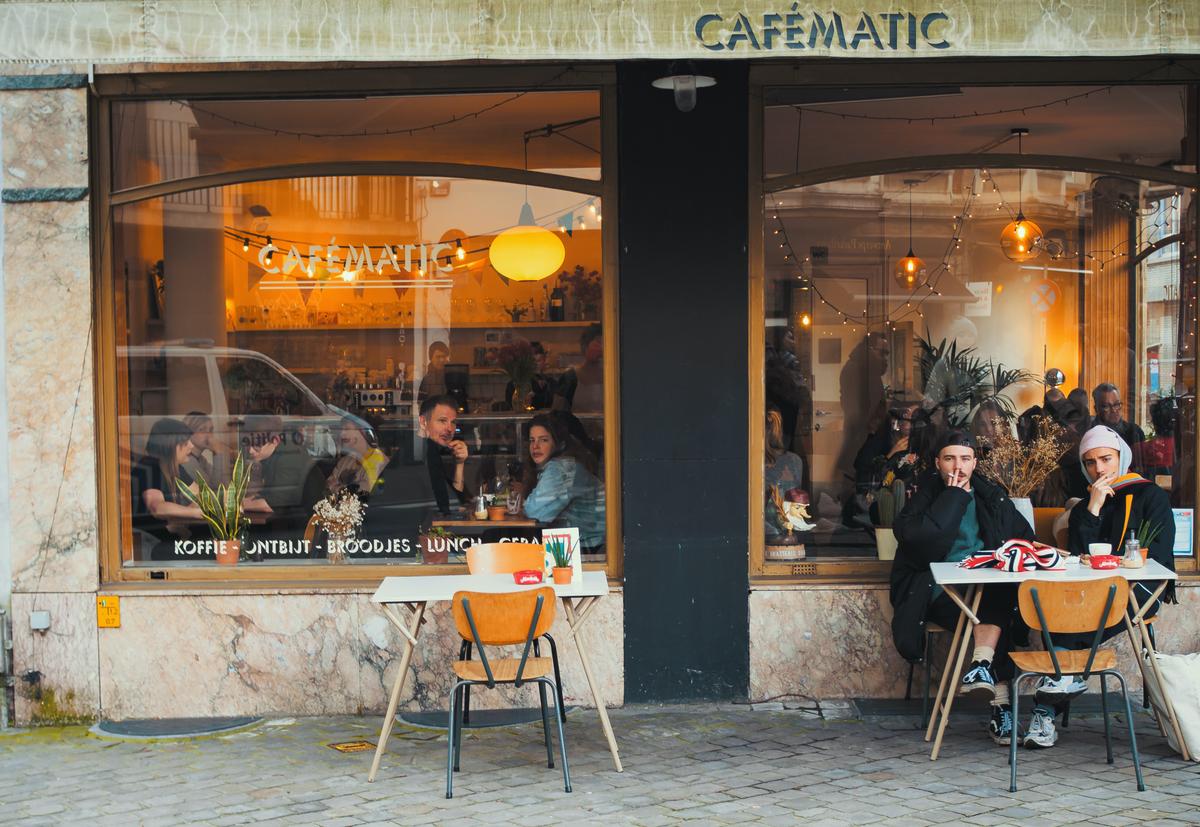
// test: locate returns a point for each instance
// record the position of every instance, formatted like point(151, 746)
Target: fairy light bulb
point(458, 249)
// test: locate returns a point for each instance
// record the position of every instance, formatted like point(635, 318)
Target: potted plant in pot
point(1020, 468)
point(435, 545)
point(889, 501)
point(562, 554)
point(223, 510)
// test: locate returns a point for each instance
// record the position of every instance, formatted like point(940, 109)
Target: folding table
point(415, 593)
point(965, 588)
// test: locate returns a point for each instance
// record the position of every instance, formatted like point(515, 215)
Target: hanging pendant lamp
point(1018, 241)
point(527, 252)
point(910, 270)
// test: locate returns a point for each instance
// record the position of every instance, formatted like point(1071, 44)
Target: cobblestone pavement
point(692, 764)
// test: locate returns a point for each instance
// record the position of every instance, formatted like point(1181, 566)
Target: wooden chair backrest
point(310, 530)
point(1073, 607)
point(504, 558)
point(1043, 524)
point(503, 619)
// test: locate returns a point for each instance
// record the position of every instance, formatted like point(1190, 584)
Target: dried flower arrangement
point(1021, 467)
point(340, 514)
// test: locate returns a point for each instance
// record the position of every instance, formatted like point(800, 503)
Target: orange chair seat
point(503, 670)
point(1071, 662)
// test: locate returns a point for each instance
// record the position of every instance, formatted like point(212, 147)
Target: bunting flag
point(567, 222)
point(254, 274)
point(400, 291)
point(306, 287)
point(1017, 555)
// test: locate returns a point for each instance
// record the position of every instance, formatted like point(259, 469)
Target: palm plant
point(958, 380)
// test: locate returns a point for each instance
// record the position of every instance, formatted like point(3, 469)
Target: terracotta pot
point(562, 576)
point(228, 552)
point(497, 512)
point(435, 551)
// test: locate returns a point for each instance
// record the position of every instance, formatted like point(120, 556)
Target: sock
point(1001, 698)
point(984, 653)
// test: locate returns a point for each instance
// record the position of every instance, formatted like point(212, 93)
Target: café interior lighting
point(270, 248)
point(458, 249)
point(527, 252)
point(910, 270)
point(1018, 240)
point(682, 79)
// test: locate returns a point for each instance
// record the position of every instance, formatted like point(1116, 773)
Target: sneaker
point(1051, 692)
point(1001, 725)
point(979, 676)
point(1041, 733)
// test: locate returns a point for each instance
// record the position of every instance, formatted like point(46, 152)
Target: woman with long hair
point(561, 481)
point(154, 478)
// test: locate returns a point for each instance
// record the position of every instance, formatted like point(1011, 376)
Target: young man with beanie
point(952, 515)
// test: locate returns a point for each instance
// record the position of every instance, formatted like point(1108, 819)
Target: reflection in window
point(863, 373)
point(352, 333)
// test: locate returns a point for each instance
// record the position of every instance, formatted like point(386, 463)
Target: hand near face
point(459, 449)
point(1100, 490)
point(957, 479)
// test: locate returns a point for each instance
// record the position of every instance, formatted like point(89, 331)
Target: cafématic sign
point(798, 28)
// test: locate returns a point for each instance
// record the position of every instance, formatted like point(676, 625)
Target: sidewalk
point(699, 764)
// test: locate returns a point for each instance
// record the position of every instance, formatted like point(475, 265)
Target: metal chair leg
point(1066, 713)
point(562, 743)
point(458, 729)
point(1012, 741)
point(912, 665)
point(1104, 710)
point(466, 655)
point(450, 741)
point(559, 704)
point(928, 682)
point(1154, 643)
point(545, 722)
point(1137, 761)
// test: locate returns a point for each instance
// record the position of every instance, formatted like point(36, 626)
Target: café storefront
point(290, 235)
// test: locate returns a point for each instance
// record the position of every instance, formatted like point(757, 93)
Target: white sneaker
point(1050, 692)
point(1041, 733)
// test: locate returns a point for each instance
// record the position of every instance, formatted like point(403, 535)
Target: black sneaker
point(979, 677)
point(1001, 725)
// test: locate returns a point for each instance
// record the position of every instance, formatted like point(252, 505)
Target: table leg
point(1148, 645)
point(410, 642)
point(937, 701)
point(954, 678)
point(576, 626)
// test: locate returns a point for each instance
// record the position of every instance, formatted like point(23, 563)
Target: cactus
point(891, 501)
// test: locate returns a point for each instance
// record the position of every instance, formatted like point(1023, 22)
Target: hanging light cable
point(910, 270)
point(1018, 241)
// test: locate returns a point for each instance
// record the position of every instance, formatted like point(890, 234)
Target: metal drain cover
point(172, 727)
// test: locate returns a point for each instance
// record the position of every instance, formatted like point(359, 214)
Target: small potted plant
point(561, 553)
point(340, 514)
point(889, 502)
point(223, 510)
point(435, 545)
point(498, 507)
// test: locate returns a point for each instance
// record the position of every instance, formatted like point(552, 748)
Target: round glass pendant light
point(527, 252)
point(910, 270)
point(1018, 240)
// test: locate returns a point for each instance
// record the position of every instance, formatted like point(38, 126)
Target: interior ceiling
point(481, 135)
point(1137, 124)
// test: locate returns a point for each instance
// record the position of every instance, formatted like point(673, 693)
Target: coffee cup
point(1099, 548)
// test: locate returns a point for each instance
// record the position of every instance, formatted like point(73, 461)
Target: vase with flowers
point(516, 360)
point(340, 514)
point(586, 288)
point(1020, 467)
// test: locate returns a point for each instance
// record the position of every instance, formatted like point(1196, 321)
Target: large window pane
point(864, 370)
point(302, 322)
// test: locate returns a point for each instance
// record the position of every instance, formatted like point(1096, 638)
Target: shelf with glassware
point(349, 328)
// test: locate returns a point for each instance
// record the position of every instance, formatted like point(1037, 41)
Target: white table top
point(435, 588)
point(950, 574)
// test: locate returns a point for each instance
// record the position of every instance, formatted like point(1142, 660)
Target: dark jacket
point(1147, 502)
point(926, 530)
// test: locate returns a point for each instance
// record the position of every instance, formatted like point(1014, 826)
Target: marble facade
point(836, 642)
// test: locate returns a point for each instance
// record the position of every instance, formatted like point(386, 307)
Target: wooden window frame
point(309, 83)
point(966, 72)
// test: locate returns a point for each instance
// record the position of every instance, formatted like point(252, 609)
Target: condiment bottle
point(1133, 551)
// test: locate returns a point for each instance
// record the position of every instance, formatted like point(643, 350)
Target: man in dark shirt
point(410, 489)
point(1107, 401)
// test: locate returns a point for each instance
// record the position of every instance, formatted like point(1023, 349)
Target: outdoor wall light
point(681, 78)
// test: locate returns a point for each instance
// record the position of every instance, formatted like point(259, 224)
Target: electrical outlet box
point(39, 621)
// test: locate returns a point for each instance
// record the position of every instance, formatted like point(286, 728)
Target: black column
point(683, 304)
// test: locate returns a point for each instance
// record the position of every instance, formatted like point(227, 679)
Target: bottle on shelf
point(558, 304)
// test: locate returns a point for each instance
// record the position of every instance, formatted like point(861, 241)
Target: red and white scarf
point(1016, 555)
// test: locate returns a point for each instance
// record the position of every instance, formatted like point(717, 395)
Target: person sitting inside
point(210, 458)
point(1158, 454)
point(1107, 400)
point(541, 391)
point(1118, 502)
point(361, 462)
point(888, 449)
point(433, 383)
point(952, 515)
point(562, 488)
point(155, 496)
point(284, 477)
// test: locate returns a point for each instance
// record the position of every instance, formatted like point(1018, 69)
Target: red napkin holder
point(527, 577)
point(1105, 561)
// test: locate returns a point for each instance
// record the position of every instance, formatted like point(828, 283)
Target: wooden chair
point(504, 619)
point(505, 558)
point(1057, 607)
